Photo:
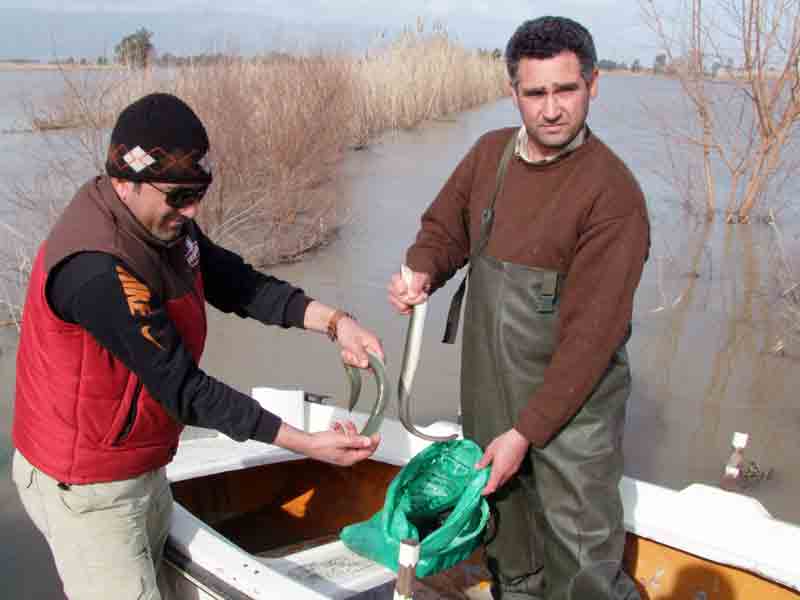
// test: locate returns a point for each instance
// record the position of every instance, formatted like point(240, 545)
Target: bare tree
point(743, 117)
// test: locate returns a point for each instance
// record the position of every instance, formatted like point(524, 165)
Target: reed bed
point(419, 77)
point(279, 127)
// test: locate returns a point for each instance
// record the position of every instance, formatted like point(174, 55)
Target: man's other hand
point(505, 453)
point(341, 446)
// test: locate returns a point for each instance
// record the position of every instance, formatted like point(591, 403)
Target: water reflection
point(704, 368)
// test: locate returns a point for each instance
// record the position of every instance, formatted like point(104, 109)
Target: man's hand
point(341, 446)
point(355, 341)
point(505, 453)
point(404, 297)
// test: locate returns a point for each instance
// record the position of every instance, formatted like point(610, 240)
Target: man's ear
point(593, 85)
point(122, 187)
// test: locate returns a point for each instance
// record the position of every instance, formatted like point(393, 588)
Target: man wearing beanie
point(113, 330)
point(554, 227)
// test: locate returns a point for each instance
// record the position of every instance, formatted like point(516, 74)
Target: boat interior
point(278, 509)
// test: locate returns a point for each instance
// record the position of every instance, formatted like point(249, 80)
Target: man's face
point(149, 206)
point(553, 101)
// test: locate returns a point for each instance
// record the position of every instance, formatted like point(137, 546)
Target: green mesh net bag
point(436, 500)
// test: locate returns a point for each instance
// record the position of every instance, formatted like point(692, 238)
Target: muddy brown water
point(707, 319)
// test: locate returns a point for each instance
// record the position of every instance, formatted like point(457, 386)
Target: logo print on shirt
point(192, 253)
point(138, 297)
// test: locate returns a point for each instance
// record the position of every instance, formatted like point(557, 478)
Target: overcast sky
point(43, 29)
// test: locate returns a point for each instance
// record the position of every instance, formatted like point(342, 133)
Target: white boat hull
point(702, 521)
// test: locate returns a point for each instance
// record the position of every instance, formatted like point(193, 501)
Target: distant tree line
point(610, 65)
point(496, 54)
point(136, 50)
point(719, 66)
point(20, 61)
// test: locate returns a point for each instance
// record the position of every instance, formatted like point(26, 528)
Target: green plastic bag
point(436, 500)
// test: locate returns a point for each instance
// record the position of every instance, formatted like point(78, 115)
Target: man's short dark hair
point(547, 37)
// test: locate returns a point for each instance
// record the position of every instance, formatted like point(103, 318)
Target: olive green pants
point(106, 538)
point(558, 525)
point(559, 531)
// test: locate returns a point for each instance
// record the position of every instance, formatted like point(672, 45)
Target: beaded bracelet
point(333, 323)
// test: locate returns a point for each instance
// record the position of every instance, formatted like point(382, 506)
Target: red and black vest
point(74, 399)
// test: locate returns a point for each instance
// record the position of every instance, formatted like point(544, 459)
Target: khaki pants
point(107, 538)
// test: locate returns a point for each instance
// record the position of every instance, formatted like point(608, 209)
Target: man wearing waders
point(554, 228)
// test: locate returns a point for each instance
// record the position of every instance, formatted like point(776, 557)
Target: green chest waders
point(559, 522)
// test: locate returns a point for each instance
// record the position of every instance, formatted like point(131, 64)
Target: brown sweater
point(583, 215)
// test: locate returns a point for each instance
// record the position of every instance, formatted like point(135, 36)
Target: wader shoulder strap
point(487, 220)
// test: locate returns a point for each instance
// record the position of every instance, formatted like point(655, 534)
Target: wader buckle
point(548, 294)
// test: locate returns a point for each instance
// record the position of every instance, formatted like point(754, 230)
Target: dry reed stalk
point(14, 275)
point(419, 77)
point(11, 309)
point(35, 211)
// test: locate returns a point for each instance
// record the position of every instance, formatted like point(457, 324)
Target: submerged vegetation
point(279, 126)
point(744, 125)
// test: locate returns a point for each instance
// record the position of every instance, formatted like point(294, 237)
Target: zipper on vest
point(131, 418)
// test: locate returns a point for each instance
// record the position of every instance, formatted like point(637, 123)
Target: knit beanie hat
point(159, 138)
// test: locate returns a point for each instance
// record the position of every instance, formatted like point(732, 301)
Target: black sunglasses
point(181, 197)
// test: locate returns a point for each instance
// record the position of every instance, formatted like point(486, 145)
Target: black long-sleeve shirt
point(86, 290)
